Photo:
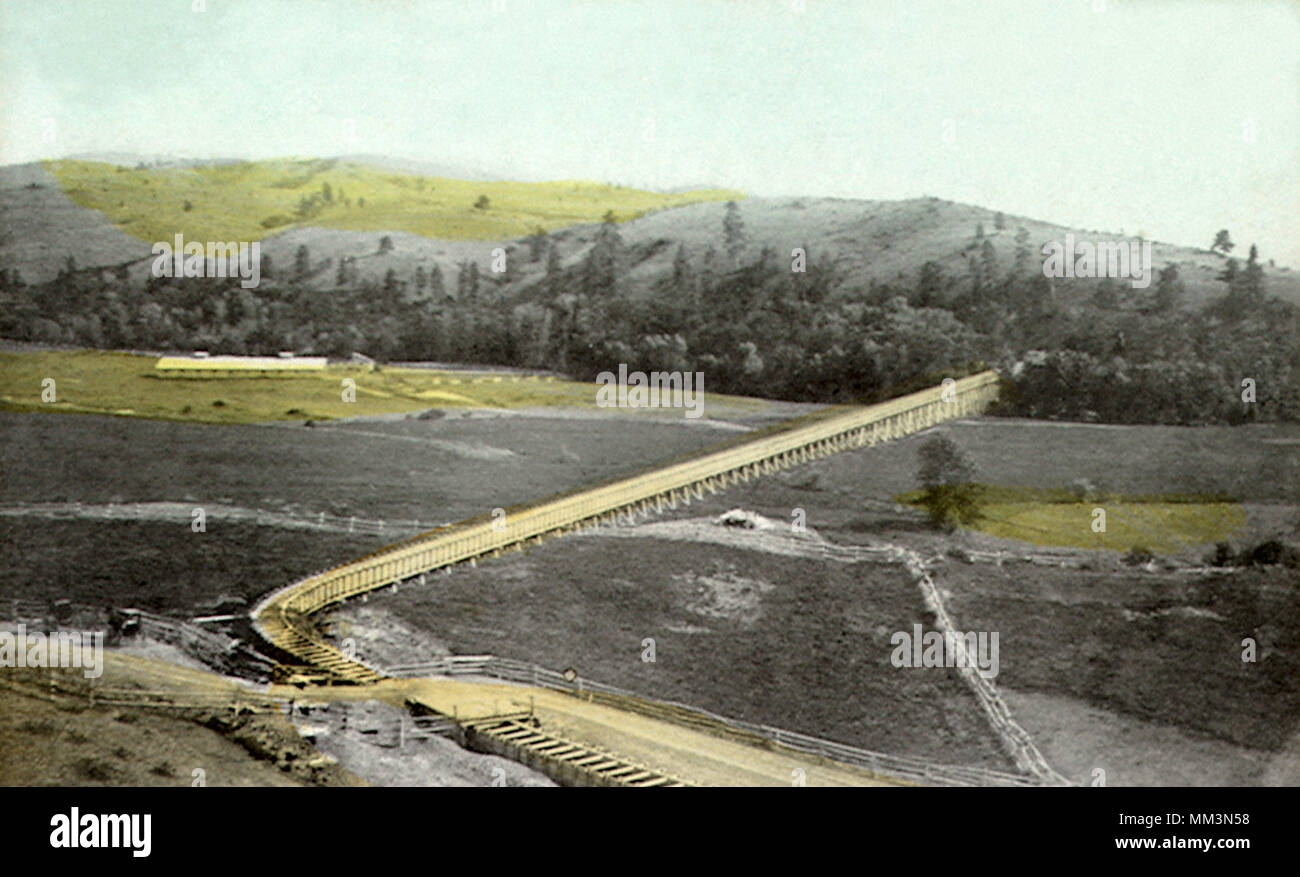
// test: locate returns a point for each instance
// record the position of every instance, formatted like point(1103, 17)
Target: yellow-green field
point(98, 382)
point(250, 200)
point(1162, 524)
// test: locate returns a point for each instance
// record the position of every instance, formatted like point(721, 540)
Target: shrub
point(1138, 556)
point(1222, 555)
point(276, 220)
point(1269, 553)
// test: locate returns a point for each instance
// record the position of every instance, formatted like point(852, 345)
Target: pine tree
point(601, 268)
point(929, 285)
point(1252, 279)
point(436, 289)
point(467, 282)
point(946, 476)
point(554, 274)
point(1169, 289)
point(1023, 253)
point(733, 232)
point(537, 245)
point(988, 261)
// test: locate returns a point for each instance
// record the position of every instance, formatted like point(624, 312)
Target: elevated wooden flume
point(283, 617)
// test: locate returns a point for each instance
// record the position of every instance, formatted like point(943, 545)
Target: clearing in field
point(95, 382)
point(247, 201)
point(1161, 523)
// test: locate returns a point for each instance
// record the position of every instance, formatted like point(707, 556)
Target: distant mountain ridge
point(55, 210)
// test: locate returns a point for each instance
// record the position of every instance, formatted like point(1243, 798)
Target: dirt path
point(696, 757)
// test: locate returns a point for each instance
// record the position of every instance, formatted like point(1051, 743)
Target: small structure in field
point(202, 364)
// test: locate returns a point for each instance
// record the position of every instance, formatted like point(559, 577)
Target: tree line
point(789, 325)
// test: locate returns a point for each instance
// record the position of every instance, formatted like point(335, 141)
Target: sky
point(1173, 118)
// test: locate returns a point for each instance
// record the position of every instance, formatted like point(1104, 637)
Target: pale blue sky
point(1136, 117)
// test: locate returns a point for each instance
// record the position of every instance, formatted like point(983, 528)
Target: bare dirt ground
point(790, 624)
point(49, 738)
point(1136, 672)
point(786, 637)
point(363, 739)
point(1079, 738)
point(52, 737)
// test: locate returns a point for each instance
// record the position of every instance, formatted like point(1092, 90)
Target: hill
point(800, 299)
point(100, 212)
point(40, 227)
point(247, 201)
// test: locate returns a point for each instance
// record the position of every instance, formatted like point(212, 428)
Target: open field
point(246, 201)
point(435, 471)
point(1142, 675)
point(1164, 648)
point(1055, 517)
point(96, 382)
point(799, 643)
point(163, 568)
point(719, 617)
point(440, 469)
point(1257, 467)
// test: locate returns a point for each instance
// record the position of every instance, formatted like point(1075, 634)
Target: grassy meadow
point(1164, 524)
point(248, 201)
point(123, 384)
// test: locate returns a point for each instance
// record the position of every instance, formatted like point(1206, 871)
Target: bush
point(1270, 553)
point(1138, 556)
point(1222, 555)
point(276, 220)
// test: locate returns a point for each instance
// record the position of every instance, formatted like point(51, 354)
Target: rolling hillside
point(251, 200)
point(104, 214)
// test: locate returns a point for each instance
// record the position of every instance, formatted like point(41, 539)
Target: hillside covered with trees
point(796, 324)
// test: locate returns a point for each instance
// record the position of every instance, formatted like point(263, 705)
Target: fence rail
point(900, 766)
point(283, 617)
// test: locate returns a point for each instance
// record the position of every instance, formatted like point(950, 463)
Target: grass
point(68, 744)
point(97, 382)
point(1166, 649)
point(248, 201)
point(1163, 523)
point(797, 643)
